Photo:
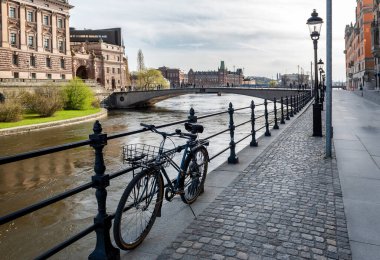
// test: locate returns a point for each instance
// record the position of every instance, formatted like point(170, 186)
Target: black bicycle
point(142, 200)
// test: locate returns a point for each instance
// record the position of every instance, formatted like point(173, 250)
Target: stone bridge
point(148, 98)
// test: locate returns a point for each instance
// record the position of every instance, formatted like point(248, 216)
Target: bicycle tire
point(195, 175)
point(140, 202)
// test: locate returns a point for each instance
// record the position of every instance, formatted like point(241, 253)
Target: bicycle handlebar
point(178, 132)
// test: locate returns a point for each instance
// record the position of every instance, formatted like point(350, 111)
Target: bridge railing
point(104, 249)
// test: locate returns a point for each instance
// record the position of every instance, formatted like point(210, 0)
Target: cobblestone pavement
point(286, 205)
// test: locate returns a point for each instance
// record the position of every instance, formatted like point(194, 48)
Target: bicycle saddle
point(194, 129)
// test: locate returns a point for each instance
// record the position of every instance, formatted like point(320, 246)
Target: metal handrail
point(100, 180)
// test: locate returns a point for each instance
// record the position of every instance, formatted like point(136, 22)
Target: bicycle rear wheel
point(195, 176)
point(138, 208)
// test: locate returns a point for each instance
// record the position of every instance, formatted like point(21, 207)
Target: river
point(32, 180)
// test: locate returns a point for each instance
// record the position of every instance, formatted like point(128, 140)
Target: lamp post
point(315, 24)
point(321, 71)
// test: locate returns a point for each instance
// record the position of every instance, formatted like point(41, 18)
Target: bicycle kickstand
point(192, 211)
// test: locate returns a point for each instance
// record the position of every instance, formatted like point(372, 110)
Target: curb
point(72, 121)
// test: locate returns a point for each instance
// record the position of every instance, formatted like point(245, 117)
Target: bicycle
point(142, 199)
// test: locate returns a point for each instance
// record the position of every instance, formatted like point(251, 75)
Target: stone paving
point(287, 205)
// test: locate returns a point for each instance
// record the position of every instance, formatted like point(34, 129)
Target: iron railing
point(100, 181)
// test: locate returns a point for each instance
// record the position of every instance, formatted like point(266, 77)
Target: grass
point(31, 119)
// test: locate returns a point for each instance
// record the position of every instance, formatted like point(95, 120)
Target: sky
point(264, 37)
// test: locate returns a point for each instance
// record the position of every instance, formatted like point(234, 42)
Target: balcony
point(375, 33)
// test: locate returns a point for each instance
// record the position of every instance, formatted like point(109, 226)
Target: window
point(63, 76)
point(108, 69)
point(60, 23)
point(108, 57)
point(48, 62)
point(62, 63)
point(31, 41)
point(16, 75)
point(118, 71)
point(113, 70)
point(61, 46)
point(13, 39)
point(32, 61)
point(29, 16)
point(15, 59)
point(118, 58)
point(34, 76)
point(12, 12)
point(46, 20)
point(47, 43)
point(48, 76)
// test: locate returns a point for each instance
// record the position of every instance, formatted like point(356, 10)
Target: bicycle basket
point(142, 154)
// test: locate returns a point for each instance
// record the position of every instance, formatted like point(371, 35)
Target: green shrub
point(95, 103)
point(78, 96)
point(44, 102)
point(10, 111)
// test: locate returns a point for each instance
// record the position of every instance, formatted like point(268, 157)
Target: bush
point(78, 96)
point(95, 103)
point(44, 102)
point(10, 111)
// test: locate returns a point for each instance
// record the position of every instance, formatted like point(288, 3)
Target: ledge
point(71, 121)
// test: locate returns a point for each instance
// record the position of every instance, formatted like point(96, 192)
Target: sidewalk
point(356, 124)
point(287, 204)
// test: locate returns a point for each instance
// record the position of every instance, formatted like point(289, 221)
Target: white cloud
point(263, 36)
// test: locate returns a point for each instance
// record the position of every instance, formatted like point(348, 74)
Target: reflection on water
point(30, 181)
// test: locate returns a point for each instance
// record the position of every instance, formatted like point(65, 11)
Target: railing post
point(287, 108)
point(275, 115)
point(267, 133)
point(104, 248)
point(282, 111)
point(192, 117)
point(253, 122)
point(233, 158)
point(296, 110)
point(291, 106)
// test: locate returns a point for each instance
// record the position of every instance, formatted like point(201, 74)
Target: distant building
point(294, 79)
point(99, 55)
point(221, 77)
point(176, 77)
point(359, 59)
point(34, 40)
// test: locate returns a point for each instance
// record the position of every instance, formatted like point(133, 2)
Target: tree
point(150, 79)
point(272, 83)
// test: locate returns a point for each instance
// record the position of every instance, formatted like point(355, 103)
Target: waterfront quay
point(287, 201)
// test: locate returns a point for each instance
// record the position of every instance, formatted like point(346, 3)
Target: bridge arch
point(148, 98)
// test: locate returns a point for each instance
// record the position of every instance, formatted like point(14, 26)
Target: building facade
point(221, 77)
point(376, 40)
point(360, 67)
point(34, 39)
point(176, 77)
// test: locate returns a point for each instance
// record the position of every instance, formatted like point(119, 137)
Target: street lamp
point(315, 24)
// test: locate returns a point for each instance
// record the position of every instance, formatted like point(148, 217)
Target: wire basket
point(142, 154)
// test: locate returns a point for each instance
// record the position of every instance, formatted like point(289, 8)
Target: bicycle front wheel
point(138, 208)
point(195, 176)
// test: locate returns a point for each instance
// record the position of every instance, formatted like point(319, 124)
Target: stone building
point(221, 77)
point(359, 58)
point(34, 39)
point(375, 33)
point(176, 77)
point(99, 55)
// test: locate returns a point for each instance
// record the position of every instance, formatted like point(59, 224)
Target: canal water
point(30, 181)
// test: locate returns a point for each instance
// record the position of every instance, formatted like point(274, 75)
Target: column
point(23, 45)
point(4, 24)
point(54, 32)
point(67, 38)
point(39, 30)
